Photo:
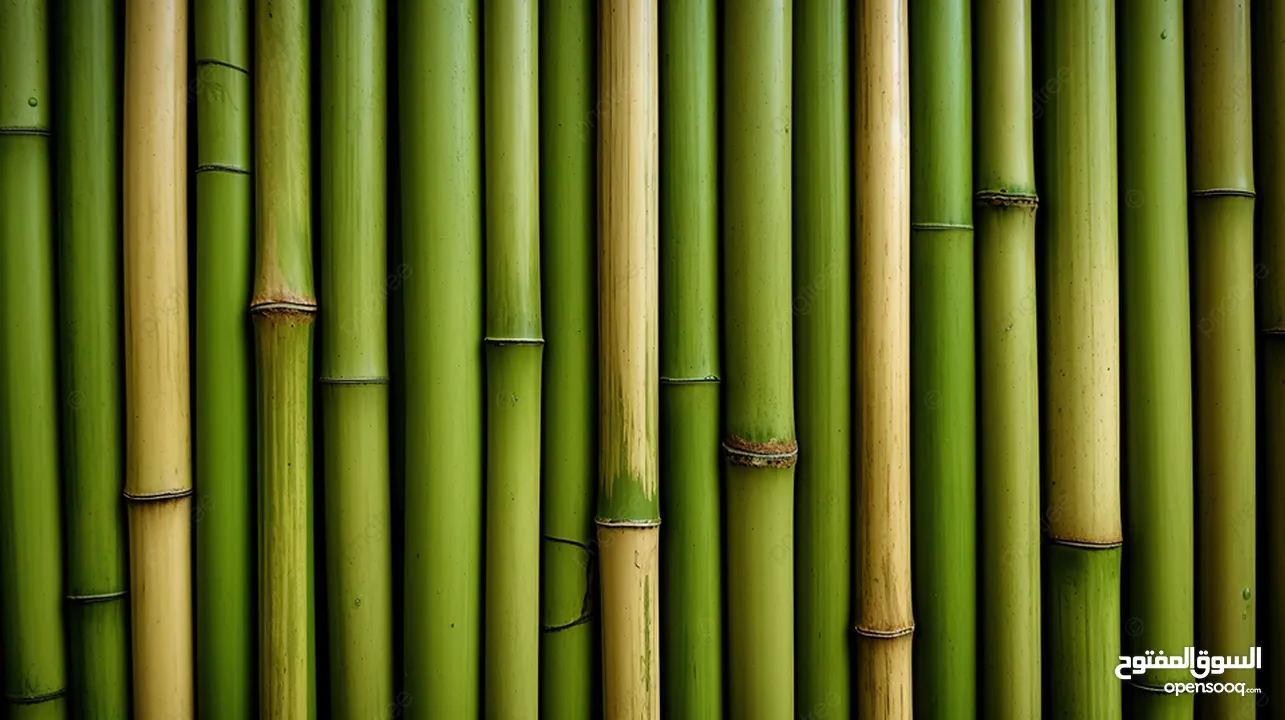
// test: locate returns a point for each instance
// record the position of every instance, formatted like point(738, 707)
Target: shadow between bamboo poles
point(1221, 181)
point(158, 442)
point(883, 613)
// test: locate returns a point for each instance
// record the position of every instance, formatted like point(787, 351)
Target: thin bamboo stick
point(158, 482)
point(569, 639)
point(1221, 181)
point(884, 616)
point(31, 582)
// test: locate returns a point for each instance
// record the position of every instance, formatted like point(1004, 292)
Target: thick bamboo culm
point(441, 185)
point(569, 631)
point(31, 595)
point(628, 515)
point(943, 388)
point(883, 613)
point(514, 350)
point(353, 372)
point(1157, 484)
point(822, 248)
point(223, 363)
point(89, 261)
point(1079, 310)
point(284, 307)
point(1269, 271)
point(1221, 181)
point(1008, 443)
point(158, 450)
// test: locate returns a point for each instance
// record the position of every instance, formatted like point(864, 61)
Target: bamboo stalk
point(89, 265)
point(223, 365)
point(1080, 315)
point(354, 357)
point(514, 348)
point(942, 361)
point(691, 600)
point(1008, 381)
point(1156, 335)
point(1222, 225)
point(760, 444)
point(1269, 154)
point(440, 105)
point(158, 482)
point(31, 582)
point(823, 346)
point(284, 308)
point(569, 663)
point(628, 515)
point(884, 616)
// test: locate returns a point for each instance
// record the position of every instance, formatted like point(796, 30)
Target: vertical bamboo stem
point(441, 165)
point(884, 616)
point(158, 483)
point(1221, 180)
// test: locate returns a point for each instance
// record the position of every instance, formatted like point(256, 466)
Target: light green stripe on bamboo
point(1221, 181)
point(31, 580)
point(441, 183)
point(89, 212)
point(284, 308)
point(1160, 590)
point(569, 121)
point(1081, 382)
point(822, 305)
point(514, 349)
point(1008, 444)
point(943, 395)
point(223, 370)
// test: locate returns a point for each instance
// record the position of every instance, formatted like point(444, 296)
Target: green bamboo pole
point(628, 516)
point(514, 347)
point(568, 131)
point(1221, 181)
point(1007, 372)
point(284, 308)
point(1269, 157)
point(691, 598)
point(1080, 312)
point(823, 346)
point(31, 583)
point(1159, 591)
point(760, 444)
point(89, 264)
point(441, 165)
point(884, 617)
point(223, 363)
point(158, 452)
point(354, 356)
point(942, 361)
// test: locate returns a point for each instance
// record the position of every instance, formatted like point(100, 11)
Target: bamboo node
point(1147, 688)
point(353, 380)
point(22, 130)
point(222, 167)
point(1001, 198)
point(939, 226)
point(161, 496)
point(501, 341)
point(1086, 544)
point(639, 524)
point(36, 699)
point(1222, 192)
point(885, 634)
point(748, 453)
point(688, 380)
point(96, 597)
point(298, 310)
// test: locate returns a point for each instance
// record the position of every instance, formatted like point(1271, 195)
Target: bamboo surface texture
point(223, 362)
point(884, 618)
point(88, 174)
point(1156, 333)
point(570, 639)
point(628, 514)
point(823, 353)
point(691, 587)
point(1221, 181)
point(1008, 444)
point(158, 481)
point(1081, 350)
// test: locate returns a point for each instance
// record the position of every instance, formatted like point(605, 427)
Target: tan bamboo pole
point(158, 448)
point(884, 616)
point(629, 380)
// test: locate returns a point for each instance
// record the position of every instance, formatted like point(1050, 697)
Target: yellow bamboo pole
point(158, 483)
